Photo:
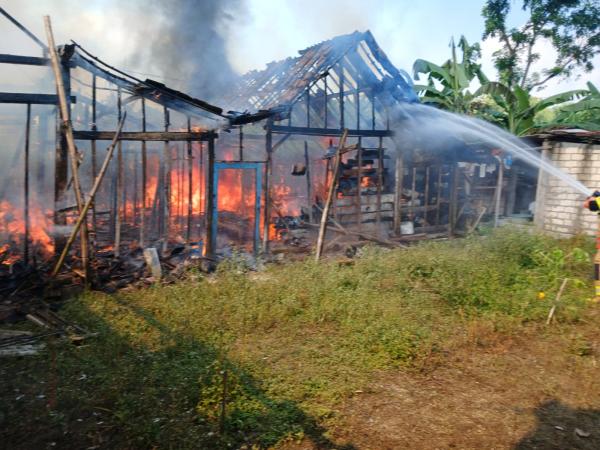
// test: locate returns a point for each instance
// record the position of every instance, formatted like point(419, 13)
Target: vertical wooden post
point(379, 181)
point(210, 244)
point(241, 142)
point(540, 193)
point(309, 195)
point(453, 198)
point(119, 184)
point(136, 189)
point(399, 175)
point(166, 186)
point(372, 112)
point(190, 162)
point(325, 117)
point(426, 200)
point(144, 180)
point(26, 186)
point(357, 101)
point(359, 174)
point(94, 127)
point(308, 107)
point(438, 195)
point(267, 186)
point(413, 188)
point(511, 194)
point(61, 170)
point(341, 95)
point(498, 192)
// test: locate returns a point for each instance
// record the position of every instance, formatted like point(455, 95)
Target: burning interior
point(252, 175)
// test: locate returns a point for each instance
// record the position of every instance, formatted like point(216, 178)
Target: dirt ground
point(537, 390)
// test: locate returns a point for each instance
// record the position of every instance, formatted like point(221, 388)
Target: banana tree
point(584, 114)
point(518, 108)
point(447, 85)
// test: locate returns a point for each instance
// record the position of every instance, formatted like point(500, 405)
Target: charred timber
point(279, 129)
point(32, 99)
point(24, 60)
point(86, 135)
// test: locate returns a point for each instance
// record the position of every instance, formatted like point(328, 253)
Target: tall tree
point(571, 26)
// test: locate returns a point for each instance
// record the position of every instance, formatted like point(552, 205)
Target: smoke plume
point(187, 47)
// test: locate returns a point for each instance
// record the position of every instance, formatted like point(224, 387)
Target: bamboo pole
point(68, 131)
point(330, 195)
point(90, 200)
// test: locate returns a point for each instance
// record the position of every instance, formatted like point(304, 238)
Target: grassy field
point(289, 343)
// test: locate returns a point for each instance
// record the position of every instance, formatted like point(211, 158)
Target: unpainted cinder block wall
point(559, 208)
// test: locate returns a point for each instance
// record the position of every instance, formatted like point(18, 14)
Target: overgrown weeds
point(293, 339)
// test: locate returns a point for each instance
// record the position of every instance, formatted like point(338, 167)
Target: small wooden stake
point(553, 309)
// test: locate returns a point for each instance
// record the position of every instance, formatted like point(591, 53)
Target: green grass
point(293, 339)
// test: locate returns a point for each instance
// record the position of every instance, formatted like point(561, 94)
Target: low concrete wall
point(558, 207)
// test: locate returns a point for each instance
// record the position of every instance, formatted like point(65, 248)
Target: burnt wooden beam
point(32, 99)
point(86, 135)
point(279, 129)
point(24, 60)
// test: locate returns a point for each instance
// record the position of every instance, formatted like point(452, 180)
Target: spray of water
point(429, 122)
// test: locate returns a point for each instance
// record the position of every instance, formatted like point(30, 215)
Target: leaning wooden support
point(89, 201)
point(330, 195)
point(68, 130)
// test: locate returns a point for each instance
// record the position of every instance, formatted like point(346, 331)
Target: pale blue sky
point(268, 30)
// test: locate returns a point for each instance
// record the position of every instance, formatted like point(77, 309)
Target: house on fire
point(250, 173)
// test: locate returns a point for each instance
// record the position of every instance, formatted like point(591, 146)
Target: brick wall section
point(559, 208)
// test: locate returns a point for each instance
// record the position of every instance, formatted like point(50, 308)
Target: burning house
point(255, 173)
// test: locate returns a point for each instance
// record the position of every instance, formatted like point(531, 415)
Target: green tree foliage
point(517, 108)
point(572, 27)
point(447, 85)
point(583, 114)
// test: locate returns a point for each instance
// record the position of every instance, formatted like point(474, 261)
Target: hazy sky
point(260, 31)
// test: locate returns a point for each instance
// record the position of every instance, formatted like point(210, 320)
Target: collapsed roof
point(283, 82)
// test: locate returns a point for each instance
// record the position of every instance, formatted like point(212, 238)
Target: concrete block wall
point(559, 208)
